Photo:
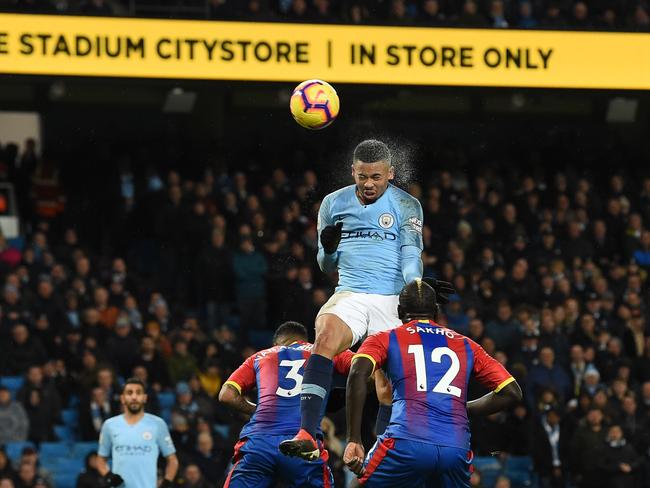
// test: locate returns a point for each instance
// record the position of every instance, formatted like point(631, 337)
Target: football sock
point(315, 388)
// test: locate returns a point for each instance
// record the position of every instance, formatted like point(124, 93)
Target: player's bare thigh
point(333, 336)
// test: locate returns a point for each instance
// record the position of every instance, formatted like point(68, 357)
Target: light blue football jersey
point(134, 449)
point(369, 256)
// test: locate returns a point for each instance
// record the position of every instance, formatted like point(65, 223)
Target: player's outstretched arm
point(233, 399)
point(496, 401)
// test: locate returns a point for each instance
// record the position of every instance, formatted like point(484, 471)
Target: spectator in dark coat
point(550, 449)
point(122, 346)
point(620, 462)
point(547, 375)
point(504, 330)
point(215, 275)
point(586, 450)
point(210, 461)
point(92, 414)
point(22, 351)
point(250, 269)
point(42, 403)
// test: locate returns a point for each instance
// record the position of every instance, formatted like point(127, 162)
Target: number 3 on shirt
point(444, 385)
point(293, 374)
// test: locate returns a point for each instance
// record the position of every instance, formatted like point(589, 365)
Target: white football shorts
point(364, 313)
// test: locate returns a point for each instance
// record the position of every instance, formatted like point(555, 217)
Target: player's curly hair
point(290, 329)
point(371, 151)
point(417, 300)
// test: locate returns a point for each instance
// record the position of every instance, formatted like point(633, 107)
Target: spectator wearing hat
point(122, 346)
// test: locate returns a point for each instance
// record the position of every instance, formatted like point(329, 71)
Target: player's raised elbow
point(228, 394)
point(512, 391)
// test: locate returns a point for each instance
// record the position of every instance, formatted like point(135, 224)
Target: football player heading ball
point(371, 232)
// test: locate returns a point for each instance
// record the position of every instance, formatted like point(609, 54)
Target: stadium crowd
point(550, 270)
point(526, 14)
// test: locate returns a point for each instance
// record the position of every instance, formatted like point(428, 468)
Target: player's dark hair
point(134, 381)
point(417, 300)
point(290, 329)
point(371, 151)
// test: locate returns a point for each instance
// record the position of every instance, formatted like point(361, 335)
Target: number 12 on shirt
point(443, 386)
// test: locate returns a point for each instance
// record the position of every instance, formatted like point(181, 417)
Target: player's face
point(372, 179)
point(134, 398)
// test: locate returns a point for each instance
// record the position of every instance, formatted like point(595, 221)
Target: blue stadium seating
point(81, 449)
point(519, 469)
point(13, 383)
point(64, 433)
point(490, 469)
point(54, 450)
point(166, 399)
point(15, 448)
point(70, 417)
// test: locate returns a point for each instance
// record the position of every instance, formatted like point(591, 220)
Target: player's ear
point(352, 169)
point(391, 173)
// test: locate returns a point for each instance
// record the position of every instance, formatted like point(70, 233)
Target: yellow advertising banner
point(177, 49)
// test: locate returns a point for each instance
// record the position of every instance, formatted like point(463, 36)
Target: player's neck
point(133, 418)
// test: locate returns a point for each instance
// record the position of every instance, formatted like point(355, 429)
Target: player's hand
point(442, 288)
point(353, 458)
point(383, 387)
point(113, 479)
point(330, 237)
point(166, 484)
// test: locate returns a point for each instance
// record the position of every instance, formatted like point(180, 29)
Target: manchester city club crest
point(147, 436)
point(386, 221)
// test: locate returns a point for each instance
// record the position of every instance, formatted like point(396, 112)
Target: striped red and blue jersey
point(430, 367)
point(277, 372)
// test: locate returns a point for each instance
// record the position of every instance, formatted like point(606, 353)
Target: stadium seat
point(64, 433)
point(166, 399)
point(519, 469)
point(490, 469)
point(81, 449)
point(14, 449)
point(13, 383)
point(54, 450)
point(70, 417)
point(73, 402)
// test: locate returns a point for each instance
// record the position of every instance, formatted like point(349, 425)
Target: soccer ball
point(314, 104)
